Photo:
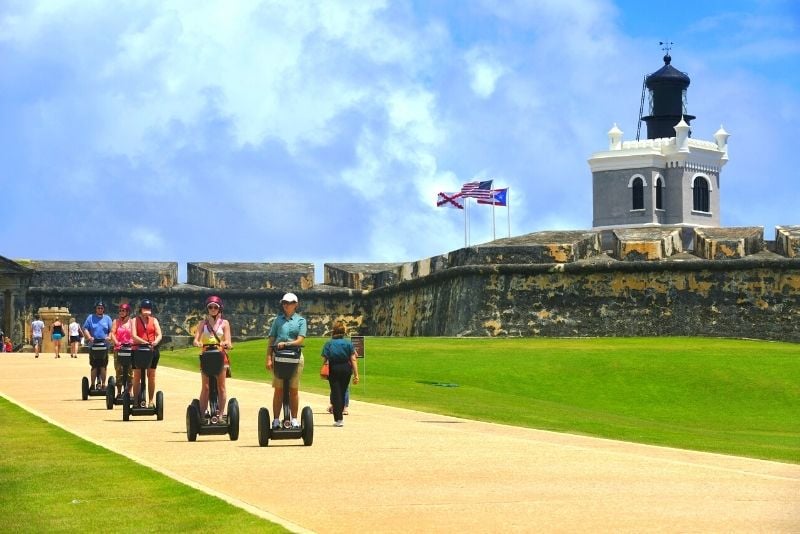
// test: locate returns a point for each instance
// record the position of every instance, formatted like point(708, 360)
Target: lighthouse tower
point(668, 178)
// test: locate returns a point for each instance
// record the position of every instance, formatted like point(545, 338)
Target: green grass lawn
point(731, 396)
point(53, 481)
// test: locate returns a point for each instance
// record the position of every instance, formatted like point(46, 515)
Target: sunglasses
point(285, 302)
point(212, 307)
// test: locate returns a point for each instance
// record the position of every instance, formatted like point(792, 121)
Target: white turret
point(615, 138)
point(722, 141)
point(682, 136)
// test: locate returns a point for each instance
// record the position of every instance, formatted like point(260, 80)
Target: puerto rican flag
point(499, 198)
point(479, 190)
point(450, 200)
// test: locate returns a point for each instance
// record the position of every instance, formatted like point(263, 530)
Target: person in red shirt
point(146, 331)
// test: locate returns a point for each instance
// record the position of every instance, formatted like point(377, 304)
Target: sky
point(321, 132)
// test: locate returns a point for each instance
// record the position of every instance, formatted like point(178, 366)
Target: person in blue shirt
point(97, 327)
point(341, 357)
point(287, 330)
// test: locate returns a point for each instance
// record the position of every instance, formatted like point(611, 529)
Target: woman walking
point(57, 330)
point(341, 357)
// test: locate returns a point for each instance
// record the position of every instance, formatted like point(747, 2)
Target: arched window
point(638, 194)
point(700, 187)
point(659, 195)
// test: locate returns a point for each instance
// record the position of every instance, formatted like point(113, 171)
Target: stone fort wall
point(625, 282)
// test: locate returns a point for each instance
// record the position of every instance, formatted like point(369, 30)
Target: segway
point(285, 361)
point(125, 359)
point(211, 361)
point(142, 358)
point(98, 358)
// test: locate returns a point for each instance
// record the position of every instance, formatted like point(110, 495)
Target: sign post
point(358, 345)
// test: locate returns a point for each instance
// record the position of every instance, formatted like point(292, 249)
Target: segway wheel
point(307, 425)
point(111, 382)
point(263, 427)
point(126, 406)
point(85, 388)
point(110, 395)
point(192, 422)
point(233, 419)
point(159, 405)
point(196, 404)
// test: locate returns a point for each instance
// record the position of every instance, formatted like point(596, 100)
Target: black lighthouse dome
point(667, 89)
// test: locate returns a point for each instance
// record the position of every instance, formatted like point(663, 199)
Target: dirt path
point(394, 470)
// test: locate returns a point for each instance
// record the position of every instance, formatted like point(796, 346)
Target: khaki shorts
point(294, 383)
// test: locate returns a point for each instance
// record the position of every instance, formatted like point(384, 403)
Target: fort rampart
point(627, 282)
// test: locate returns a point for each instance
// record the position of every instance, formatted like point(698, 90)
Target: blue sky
point(272, 131)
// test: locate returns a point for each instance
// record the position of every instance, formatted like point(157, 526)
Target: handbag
point(325, 371)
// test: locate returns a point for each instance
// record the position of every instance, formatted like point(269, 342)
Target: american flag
point(479, 190)
point(450, 200)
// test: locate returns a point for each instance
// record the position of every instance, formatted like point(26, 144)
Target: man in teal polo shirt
point(287, 330)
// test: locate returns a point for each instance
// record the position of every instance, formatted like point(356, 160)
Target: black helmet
point(99, 303)
point(146, 304)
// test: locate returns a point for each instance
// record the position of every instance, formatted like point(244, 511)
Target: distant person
point(341, 357)
point(146, 331)
point(121, 335)
point(8, 346)
point(96, 328)
point(214, 331)
point(287, 330)
point(2, 341)
point(74, 330)
point(57, 334)
point(37, 329)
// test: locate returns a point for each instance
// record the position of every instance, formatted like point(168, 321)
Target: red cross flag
point(450, 200)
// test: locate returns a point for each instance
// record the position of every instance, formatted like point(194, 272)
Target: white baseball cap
point(289, 297)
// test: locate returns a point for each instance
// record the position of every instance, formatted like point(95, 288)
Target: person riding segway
point(146, 334)
point(285, 360)
point(96, 329)
point(207, 415)
point(122, 341)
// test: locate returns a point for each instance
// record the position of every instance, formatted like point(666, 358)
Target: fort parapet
point(621, 282)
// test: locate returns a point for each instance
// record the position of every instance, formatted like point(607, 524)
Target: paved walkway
point(394, 470)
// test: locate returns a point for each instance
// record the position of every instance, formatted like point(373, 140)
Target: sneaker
point(338, 423)
point(330, 409)
point(345, 412)
point(276, 423)
point(295, 423)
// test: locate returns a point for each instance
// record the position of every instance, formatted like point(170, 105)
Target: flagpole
point(508, 210)
point(494, 236)
point(465, 223)
point(469, 220)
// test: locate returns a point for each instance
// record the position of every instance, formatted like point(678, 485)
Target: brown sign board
point(358, 344)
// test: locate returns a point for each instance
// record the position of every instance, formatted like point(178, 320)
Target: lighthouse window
point(638, 194)
point(701, 197)
point(659, 196)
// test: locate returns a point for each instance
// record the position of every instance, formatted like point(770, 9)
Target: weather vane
point(666, 46)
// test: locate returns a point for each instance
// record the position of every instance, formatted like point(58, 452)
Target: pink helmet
point(213, 299)
point(126, 307)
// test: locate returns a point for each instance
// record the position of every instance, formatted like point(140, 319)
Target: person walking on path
point(288, 330)
point(74, 337)
point(146, 331)
point(57, 334)
point(96, 328)
point(37, 329)
point(341, 357)
point(214, 331)
point(121, 335)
